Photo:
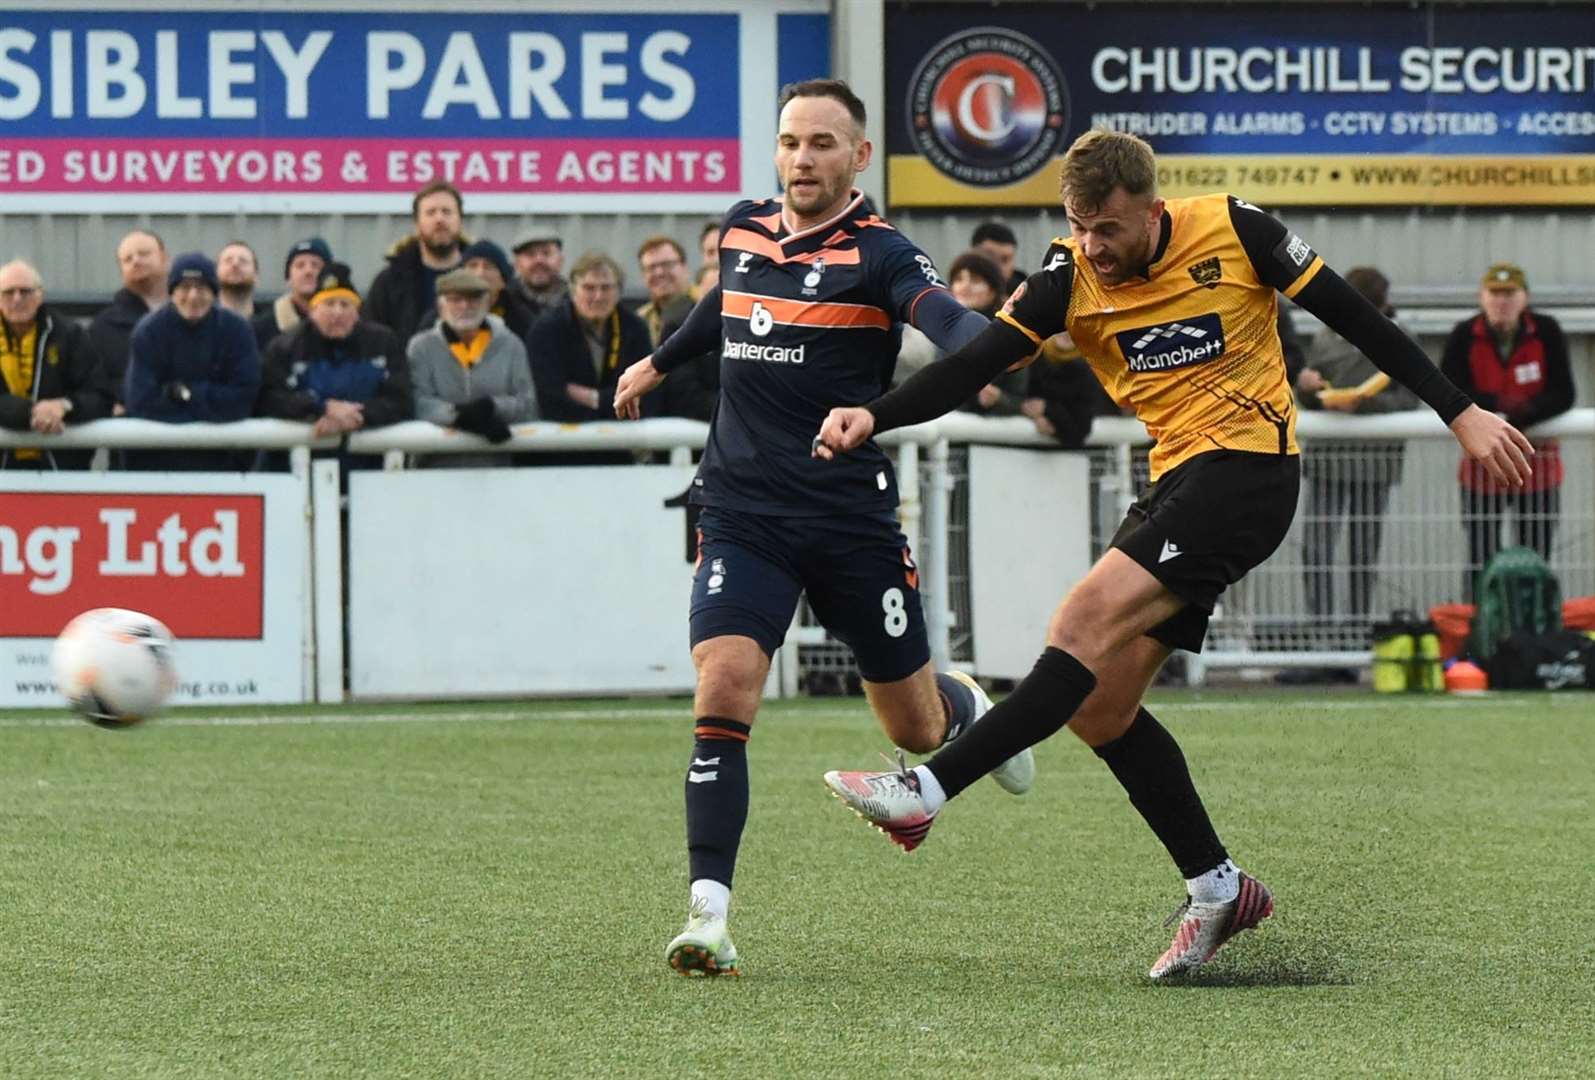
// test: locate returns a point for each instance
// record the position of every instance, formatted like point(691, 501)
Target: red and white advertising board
point(220, 559)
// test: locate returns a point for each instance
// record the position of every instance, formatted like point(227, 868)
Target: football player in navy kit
point(813, 290)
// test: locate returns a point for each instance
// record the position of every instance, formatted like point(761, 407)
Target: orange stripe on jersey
point(703, 731)
point(748, 240)
point(739, 305)
point(1307, 275)
point(1019, 326)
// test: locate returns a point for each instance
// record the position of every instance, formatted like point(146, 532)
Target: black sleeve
point(1557, 397)
point(1345, 311)
point(1454, 364)
point(700, 333)
point(88, 385)
point(941, 387)
point(1037, 310)
point(1278, 256)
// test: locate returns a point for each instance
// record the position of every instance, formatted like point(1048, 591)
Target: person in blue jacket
point(191, 360)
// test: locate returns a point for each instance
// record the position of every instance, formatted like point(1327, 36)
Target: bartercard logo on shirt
point(1171, 345)
point(764, 354)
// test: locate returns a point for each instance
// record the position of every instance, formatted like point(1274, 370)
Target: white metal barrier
point(1267, 620)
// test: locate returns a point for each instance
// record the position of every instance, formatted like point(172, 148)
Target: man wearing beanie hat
point(487, 261)
point(302, 271)
point(336, 370)
point(191, 360)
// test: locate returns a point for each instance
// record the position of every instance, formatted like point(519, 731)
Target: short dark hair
point(1100, 162)
point(835, 89)
point(994, 231)
point(432, 189)
point(708, 227)
point(973, 262)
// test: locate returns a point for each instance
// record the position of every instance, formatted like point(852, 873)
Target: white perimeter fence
point(574, 579)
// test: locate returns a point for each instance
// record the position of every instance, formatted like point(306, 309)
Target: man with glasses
point(664, 272)
point(50, 375)
point(580, 348)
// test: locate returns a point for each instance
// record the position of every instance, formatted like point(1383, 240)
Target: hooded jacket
point(65, 365)
point(401, 296)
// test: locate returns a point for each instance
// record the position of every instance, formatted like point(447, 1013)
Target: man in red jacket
point(1512, 361)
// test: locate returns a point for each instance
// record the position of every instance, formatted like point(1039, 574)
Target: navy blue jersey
point(809, 321)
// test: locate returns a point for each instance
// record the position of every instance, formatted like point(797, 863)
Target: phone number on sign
point(1194, 178)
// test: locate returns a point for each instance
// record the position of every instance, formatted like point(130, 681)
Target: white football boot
point(889, 801)
point(1204, 928)
point(704, 946)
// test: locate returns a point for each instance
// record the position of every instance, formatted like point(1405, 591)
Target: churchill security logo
point(1171, 345)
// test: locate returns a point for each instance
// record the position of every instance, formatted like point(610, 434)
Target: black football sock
point(958, 702)
point(717, 797)
point(1039, 707)
point(1148, 763)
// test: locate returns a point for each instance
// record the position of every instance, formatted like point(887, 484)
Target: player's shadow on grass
point(1271, 964)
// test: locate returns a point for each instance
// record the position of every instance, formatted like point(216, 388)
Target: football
point(114, 666)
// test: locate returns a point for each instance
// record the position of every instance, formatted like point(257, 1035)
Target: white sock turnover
point(1219, 885)
point(714, 894)
point(930, 789)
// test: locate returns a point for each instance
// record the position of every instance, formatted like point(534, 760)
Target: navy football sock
point(717, 797)
point(1039, 707)
point(958, 702)
point(1148, 763)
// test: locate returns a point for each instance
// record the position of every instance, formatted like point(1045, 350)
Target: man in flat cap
point(1512, 361)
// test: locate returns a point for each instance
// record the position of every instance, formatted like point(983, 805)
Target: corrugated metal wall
point(1443, 249)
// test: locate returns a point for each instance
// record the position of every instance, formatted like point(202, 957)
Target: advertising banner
point(619, 105)
point(220, 560)
point(1296, 105)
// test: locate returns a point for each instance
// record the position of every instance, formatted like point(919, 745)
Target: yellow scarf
point(16, 363)
point(16, 360)
point(469, 352)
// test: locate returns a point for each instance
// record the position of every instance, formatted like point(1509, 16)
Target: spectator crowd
point(454, 329)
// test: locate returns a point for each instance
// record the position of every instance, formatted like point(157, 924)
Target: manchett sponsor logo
point(767, 354)
point(1171, 345)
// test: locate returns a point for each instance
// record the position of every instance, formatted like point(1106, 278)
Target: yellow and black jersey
point(1191, 344)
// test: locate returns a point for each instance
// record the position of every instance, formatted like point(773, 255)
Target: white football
point(114, 666)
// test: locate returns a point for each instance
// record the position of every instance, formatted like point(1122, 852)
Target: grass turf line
point(487, 891)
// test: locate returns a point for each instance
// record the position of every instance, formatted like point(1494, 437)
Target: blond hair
point(1099, 162)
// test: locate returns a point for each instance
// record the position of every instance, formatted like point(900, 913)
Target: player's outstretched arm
point(934, 390)
point(1485, 437)
point(699, 333)
point(635, 381)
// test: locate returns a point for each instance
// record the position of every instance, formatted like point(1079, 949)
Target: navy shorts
point(857, 570)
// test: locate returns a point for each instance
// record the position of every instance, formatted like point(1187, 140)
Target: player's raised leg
point(931, 708)
point(1116, 603)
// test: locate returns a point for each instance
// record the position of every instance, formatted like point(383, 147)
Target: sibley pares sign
point(256, 107)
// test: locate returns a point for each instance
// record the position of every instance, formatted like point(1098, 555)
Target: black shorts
point(1203, 525)
point(857, 570)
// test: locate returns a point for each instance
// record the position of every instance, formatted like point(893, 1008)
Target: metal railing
point(1294, 609)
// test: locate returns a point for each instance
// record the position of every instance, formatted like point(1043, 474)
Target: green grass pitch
point(487, 890)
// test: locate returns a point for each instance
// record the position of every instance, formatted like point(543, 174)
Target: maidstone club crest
point(1206, 273)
